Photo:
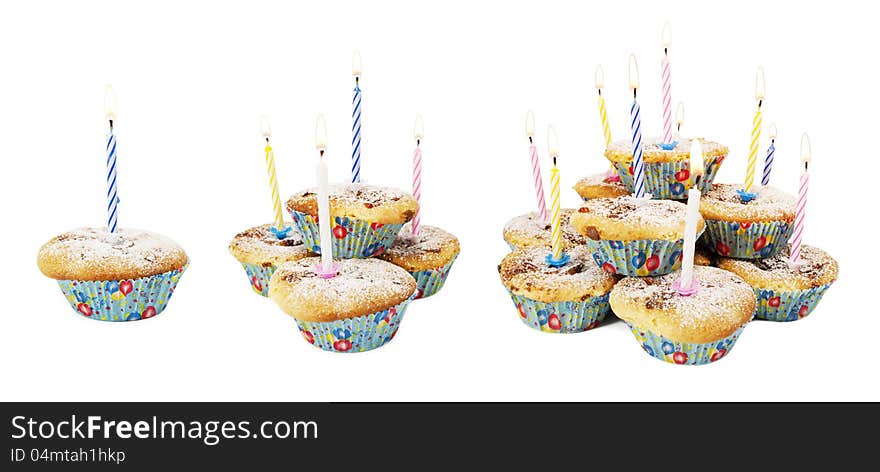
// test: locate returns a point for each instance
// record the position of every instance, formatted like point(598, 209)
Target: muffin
point(703, 257)
point(366, 218)
point(123, 276)
point(600, 186)
point(786, 292)
point(691, 330)
point(747, 230)
point(631, 237)
point(667, 172)
point(260, 251)
point(357, 310)
point(567, 299)
point(428, 257)
point(528, 231)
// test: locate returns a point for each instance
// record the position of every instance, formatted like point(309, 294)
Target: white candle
point(323, 197)
point(693, 213)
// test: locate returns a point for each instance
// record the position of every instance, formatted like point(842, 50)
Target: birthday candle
point(667, 85)
point(768, 161)
point(536, 167)
point(419, 133)
point(679, 118)
point(323, 197)
point(806, 157)
point(636, 128)
point(556, 215)
point(693, 212)
point(356, 119)
point(603, 112)
point(112, 195)
point(266, 130)
point(756, 130)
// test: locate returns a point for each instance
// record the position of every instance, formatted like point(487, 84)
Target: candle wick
point(321, 152)
point(760, 102)
point(678, 128)
point(418, 142)
point(530, 140)
point(600, 90)
point(666, 51)
point(806, 166)
point(554, 161)
point(357, 79)
point(634, 93)
point(111, 124)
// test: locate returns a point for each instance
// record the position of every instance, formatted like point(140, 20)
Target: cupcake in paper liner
point(786, 292)
point(528, 230)
point(260, 251)
point(124, 276)
point(600, 186)
point(428, 256)
point(693, 329)
point(753, 229)
point(626, 236)
point(570, 298)
point(667, 171)
point(365, 218)
point(357, 310)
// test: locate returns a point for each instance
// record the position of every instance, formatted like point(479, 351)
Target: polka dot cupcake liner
point(665, 180)
point(756, 240)
point(431, 281)
point(639, 258)
point(358, 334)
point(561, 317)
point(787, 306)
point(352, 238)
point(258, 276)
point(679, 353)
point(121, 300)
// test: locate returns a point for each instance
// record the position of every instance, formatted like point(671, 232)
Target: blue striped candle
point(768, 161)
point(112, 195)
point(356, 119)
point(636, 127)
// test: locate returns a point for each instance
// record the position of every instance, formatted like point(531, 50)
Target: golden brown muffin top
point(629, 219)
point(364, 202)
point(91, 254)
point(260, 246)
point(815, 269)
point(723, 203)
point(528, 231)
point(621, 151)
point(362, 287)
point(526, 272)
point(431, 249)
point(599, 186)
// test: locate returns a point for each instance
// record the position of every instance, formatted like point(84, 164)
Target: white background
point(193, 79)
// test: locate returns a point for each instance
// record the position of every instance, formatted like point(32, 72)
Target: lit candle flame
point(772, 131)
point(321, 134)
point(806, 149)
point(419, 129)
point(633, 72)
point(356, 63)
point(553, 142)
point(600, 78)
point(679, 114)
point(759, 84)
point(109, 103)
point(667, 35)
point(265, 127)
point(530, 124)
point(696, 158)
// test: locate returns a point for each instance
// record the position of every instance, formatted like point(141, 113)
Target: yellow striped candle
point(603, 115)
point(273, 178)
point(555, 213)
point(756, 131)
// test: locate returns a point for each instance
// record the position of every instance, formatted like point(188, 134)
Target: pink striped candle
point(795, 242)
point(419, 133)
point(667, 86)
point(536, 168)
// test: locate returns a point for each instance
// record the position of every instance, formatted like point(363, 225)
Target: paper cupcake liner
point(561, 317)
point(258, 276)
point(675, 352)
point(121, 300)
point(512, 247)
point(352, 238)
point(358, 334)
point(665, 180)
point(756, 240)
point(431, 281)
point(787, 306)
point(639, 258)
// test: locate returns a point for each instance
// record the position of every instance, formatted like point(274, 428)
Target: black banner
point(350, 435)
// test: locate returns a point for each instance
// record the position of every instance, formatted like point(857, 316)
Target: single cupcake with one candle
point(427, 256)
point(567, 298)
point(357, 309)
point(698, 328)
point(260, 251)
point(600, 186)
point(529, 231)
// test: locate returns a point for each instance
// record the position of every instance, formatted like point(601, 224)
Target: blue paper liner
point(121, 300)
point(675, 352)
point(258, 276)
point(787, 306)
point(358, 334)
point(638, 258)
point(561, 317)
point(431, 281)
point(665, 180)
point(352, 238)
point(756, 240)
